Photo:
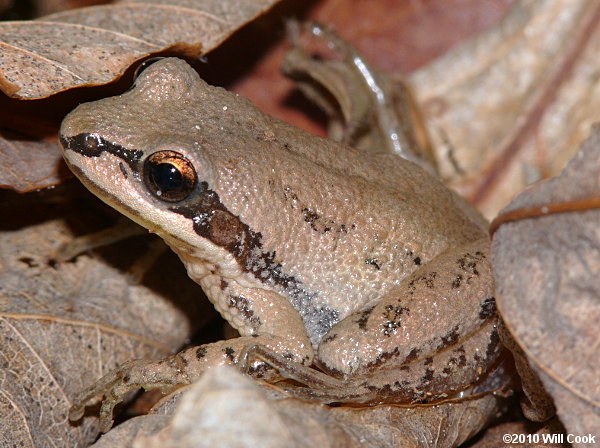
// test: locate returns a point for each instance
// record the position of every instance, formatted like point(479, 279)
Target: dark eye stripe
point(91, 145)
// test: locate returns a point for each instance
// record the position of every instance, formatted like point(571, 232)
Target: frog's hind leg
point(367, 109)
point(433, 334)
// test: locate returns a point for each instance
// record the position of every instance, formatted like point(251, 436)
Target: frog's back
point(346, 225)
point(335, 228)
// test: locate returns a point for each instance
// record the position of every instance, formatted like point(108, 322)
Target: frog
point(356, 273)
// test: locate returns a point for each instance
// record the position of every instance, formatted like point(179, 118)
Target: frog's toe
point(88, 395)
point(114, 386)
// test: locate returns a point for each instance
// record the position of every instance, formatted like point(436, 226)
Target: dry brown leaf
point(27, 165)
point(513, 105)
point(394, 36)
point(548, 287)
point(95, 45)
point(63, 325)
point(225, 408)
point(45, 7)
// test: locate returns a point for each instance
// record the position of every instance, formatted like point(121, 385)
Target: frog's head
point(156, 156)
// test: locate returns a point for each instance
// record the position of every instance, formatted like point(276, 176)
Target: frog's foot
point(367, 110)
point(316, 385)
point(377, 387)
point(166, 375)
point(287, 368)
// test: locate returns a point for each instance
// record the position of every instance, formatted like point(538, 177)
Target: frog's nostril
point(89, 145)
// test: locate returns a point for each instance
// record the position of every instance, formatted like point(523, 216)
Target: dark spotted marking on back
point(312, 218)
point(315, 220)
point(429, 279)
point(390, 328)
point(457, 281)
point(493, 346)
point(426, 279)
point(417, 261)
point(428, 375)
point(394, 321)
point(428, 361)
point(364, 317)
point(200, 352)
point(229, 352)
point(92, 145)
point(224, 284)
point(290, 195)
point(449, 338)
point(374, 262)
point(414, 354)
point(30, 262)
point(330, 338)
point(468, 262)
point(487, 308)
point(462, 361)
point(322, 224)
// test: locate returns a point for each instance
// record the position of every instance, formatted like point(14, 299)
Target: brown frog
point(321, 255)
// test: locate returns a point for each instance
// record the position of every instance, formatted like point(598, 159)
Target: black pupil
point(167, 177)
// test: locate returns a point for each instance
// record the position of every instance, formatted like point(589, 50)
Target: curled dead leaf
point(511, 106)
point(548, 287)
point(95, 45)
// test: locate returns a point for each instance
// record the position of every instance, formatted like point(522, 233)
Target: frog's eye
point(169, 176)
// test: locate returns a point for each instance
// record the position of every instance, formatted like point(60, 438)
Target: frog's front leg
point(284, 334)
